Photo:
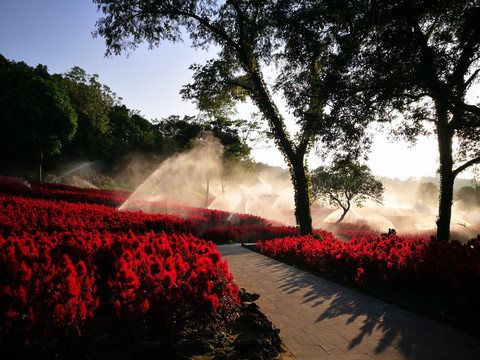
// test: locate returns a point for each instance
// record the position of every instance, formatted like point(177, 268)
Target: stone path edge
point(319, 319)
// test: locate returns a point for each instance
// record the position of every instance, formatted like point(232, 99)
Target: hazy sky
point(57, 33)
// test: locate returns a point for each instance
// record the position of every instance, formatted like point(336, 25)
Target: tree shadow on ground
point(369, 323)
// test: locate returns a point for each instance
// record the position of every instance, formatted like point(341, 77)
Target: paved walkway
point(319, 319)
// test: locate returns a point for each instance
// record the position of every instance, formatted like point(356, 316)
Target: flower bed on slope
point(54, 286)
point(51, 207)
point(38, 190)
point(23, 214)
point(78, 279)
point(65, 265)
point(114, 199)
point(438, 279)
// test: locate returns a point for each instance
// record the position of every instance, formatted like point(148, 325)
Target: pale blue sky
point(57, 33)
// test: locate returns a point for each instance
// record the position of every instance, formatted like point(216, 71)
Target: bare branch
point(472, 78)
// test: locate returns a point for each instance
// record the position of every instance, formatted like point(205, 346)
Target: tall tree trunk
point(445, 135)
point(40, 177)
point(301, 181)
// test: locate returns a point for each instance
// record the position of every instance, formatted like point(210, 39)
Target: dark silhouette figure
point(390, 232)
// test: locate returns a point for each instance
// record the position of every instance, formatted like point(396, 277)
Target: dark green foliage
point(38, 118)
point(130, 132)
point(345, 183)
point(90, 97)
point(73, 117)
point(180, 134)
point(93, 102)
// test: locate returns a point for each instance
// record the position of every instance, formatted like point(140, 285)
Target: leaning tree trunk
point(301, 182)
point(345, 211)
point(294, 155)
point(445, 135)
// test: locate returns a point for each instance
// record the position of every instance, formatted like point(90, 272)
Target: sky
point(58, 34)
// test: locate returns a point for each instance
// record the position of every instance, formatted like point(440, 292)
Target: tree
point(345, 183)
point(130, 133)
point(90, 97)
point(93, 102)
point(234, 136)
point(468, 198)
point(422, 59)
point(181, 135)
point(37, 116)
point(428, 193)
point(249, 37)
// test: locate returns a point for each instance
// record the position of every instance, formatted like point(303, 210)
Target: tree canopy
point(421, 59)
point(345, 183)
point(37, 116)
point(91, 98)
point(252, 36)
point(78, 119)
point(417, 60)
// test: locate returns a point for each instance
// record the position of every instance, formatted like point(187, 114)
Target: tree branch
point(241, 85)
point(466, 107)
point(472, 78)
point(240, 16)
point(439, 91)
point(469, 49)
point(205, 22)
point(466, 165)
point(432, 28)
point(337, 200)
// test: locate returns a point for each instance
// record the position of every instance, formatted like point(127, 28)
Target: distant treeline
point(52, 119)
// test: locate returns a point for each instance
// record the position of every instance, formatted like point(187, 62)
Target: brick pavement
point(319, 319)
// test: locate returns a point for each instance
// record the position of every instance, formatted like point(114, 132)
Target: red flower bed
point(252, 233)
point(203, 218)
point(43, 291)
point(61, 263)
point(162, 281)
point(20, 214)
point(436, 277)
point(154, 283)
point(209, 217)
point(39, 190)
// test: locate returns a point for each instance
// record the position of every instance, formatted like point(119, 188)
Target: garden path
point(319, 319)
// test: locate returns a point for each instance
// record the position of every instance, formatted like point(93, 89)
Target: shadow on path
point(326, 310)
